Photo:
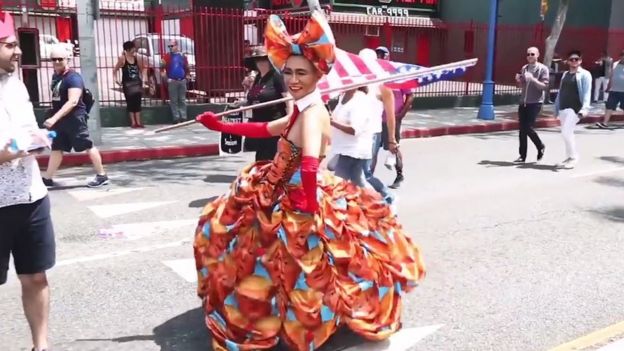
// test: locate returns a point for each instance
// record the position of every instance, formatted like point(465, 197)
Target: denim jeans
point(377, 184)
point(177, 99)
point(352, 169)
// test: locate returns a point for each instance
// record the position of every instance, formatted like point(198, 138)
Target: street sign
point(394, 8)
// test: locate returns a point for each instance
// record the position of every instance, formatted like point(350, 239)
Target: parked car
point(48, 42)
point(149, 49)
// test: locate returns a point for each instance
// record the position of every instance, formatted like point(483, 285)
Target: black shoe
point(397, 182)
point(47, 182)
point(520, 160)
point(540, 152)
point(100, 180)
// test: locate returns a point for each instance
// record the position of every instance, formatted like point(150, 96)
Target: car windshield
point(186, 45)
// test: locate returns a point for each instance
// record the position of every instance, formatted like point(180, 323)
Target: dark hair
point(363, 89)
point(575, 52)
point(129, 45)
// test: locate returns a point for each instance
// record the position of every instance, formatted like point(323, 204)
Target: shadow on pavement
point(614, 214)
point(537, 166)
point(200, 203)
point(613, 159)
point(219, 178)
point(186, 332)
point(610, 181)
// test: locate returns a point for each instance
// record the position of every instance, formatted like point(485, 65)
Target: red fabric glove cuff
point(309, 168)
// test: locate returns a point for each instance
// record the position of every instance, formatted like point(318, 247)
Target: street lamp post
point(486, 111)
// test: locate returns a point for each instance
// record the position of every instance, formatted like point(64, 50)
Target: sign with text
point(395, 8)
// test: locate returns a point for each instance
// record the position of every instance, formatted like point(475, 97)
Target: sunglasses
point(57, 59)
point(574, 59)
point(530, 54)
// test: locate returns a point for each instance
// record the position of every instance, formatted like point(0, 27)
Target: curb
point(171, 152)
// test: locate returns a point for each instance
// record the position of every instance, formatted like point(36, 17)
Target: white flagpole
point(401, 76)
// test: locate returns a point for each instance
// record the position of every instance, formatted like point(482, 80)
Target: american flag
point(350, 68)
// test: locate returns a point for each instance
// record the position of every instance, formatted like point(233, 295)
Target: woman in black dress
point(133, 80)
point(268, 85)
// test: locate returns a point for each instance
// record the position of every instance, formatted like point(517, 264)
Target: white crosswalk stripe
point(134, 231)
point(185, 268)
point(614, 346)
point(107, 211)
point(93, 194)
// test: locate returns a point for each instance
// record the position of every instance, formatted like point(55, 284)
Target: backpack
point(87, 98)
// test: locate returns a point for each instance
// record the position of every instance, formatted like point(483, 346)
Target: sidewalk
point(125, 144)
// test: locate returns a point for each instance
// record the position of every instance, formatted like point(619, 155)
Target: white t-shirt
point(20, 180)
point(355, 113)
point(375, 108)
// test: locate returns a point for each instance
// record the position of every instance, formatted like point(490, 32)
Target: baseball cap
point(383, 49)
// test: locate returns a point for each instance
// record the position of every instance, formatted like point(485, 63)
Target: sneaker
point(520, 160)
point(570, 164)
point(540, 152)
point(563, 163)
point(397, 182)
point(47, 182)
point(100, 180)
point(602, 125)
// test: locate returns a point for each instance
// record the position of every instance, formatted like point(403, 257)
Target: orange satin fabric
point(267, 272)
point(316, 42)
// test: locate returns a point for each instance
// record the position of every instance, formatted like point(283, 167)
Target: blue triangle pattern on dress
point(233, 243)
point(230, 300)
point(206, 230)
point(379, 237)
point(366, 284)
point(302, 284)
point(296, 177)
point(261, 271)
point(330, 233)
point(327, 314)
point(281, 234)
point(383, 290)
point(204, 272)
point(290, 315)
point(231, 345)
point(313, 241)
point(341, 203)
point(398, 288)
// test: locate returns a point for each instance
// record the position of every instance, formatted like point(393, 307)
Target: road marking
point(105, 256)
point(590, 174)
point(107, 211)
point(92, 194)
point(614, 346)
point(134, 231)
point(595, 338)
point(184, 268)
point(401, 340)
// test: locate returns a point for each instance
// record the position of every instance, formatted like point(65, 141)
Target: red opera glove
point(251, 130)
point(309, 168)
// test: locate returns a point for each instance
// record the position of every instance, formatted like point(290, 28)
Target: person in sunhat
point(291, 254)
point(26, 226)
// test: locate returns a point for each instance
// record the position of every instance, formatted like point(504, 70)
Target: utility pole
point(486, 111)
point(87, 13)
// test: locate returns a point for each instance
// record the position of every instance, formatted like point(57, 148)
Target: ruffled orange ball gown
point(268, 272)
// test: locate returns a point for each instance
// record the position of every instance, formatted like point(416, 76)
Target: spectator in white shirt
point(351, 136)
point(27, 231)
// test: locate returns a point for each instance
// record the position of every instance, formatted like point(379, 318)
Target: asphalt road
point(519, 257)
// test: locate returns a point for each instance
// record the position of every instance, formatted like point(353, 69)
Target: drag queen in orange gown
point(290, 253)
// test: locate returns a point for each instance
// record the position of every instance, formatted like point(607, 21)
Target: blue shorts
point(616, 98)
point(28, 235)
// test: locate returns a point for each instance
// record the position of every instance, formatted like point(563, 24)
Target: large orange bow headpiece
point(316, 42)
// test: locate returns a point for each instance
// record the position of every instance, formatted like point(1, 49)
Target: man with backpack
point(68, 118)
